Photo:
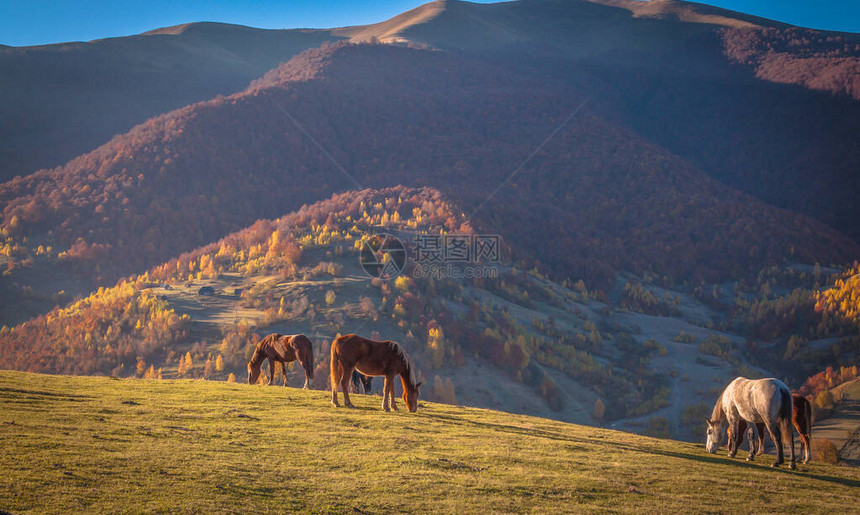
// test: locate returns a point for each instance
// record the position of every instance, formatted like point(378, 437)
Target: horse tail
point(304, 350)
point(786, 408)
point(310, 358)
point(336, 368)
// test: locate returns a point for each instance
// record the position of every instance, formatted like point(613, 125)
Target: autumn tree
point(208, 368)
point(599, 410)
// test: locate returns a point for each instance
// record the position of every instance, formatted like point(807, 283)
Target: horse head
point(713, 435)
point(253, 372)
point(410, 396)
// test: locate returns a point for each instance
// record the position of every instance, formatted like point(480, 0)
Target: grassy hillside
point(100, 445)
point(654, 357)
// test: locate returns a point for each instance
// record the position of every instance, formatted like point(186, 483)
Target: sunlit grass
point(102, 445)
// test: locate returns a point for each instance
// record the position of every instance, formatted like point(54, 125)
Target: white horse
point(757, 401)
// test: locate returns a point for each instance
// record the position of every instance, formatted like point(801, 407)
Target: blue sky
point(33, 22)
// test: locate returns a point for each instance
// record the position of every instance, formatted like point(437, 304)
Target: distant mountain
point(647, 137)
point(63, 100)
point(764, 107)
point(595, 199)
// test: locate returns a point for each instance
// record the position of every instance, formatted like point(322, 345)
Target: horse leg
point(391, 395)
point(284, 370)
point(804, 444)
point(751, 441)
point(760, 428)
point(792, 464)
point(307, 374)
point(804, 440)
point(385, 386)
point(776, 437)
point(336, 370)
point(344, 384)
point(272, 367)
point(735, 436)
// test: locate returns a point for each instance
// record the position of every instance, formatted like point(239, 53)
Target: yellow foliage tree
point(181, 368)
point(599, 410)
point(208, 368)
point(436, 343)
point(189, 364)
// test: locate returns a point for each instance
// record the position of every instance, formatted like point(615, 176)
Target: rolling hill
point(509, 339)
point(764, 107)
point(60, 101)
point(97, 444)
point(642, 136)
point(379, 116)
point(598, 161)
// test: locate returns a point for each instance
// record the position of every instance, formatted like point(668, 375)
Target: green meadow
point(96, 444)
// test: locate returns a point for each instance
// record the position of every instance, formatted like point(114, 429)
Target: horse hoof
point(750, 458)
point(775, 464)
point(792, 466)
point(336, 405)
point(386, 408)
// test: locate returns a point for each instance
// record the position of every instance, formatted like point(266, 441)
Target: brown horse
point(278, 348)
point(801, 419)
point(372, 358)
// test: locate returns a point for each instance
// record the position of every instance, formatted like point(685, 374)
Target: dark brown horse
point(361, 383)
point(371, 358)
point(282, 349)
point(801, 419)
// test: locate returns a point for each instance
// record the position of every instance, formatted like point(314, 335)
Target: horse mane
point(259, 352)
point(717, 413)
point(410, 369)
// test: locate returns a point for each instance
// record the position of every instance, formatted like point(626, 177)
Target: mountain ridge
point(687, 111)
point(169, 148)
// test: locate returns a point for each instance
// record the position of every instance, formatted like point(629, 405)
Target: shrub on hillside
point(658, 427)
point(824, 450)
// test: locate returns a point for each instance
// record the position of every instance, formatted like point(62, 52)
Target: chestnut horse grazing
point(801, 419)
point(280, 348)
point(758, 401)
point(371, 358)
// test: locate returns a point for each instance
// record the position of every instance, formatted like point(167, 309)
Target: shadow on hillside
point(15, 393)
point(710, 459)
point(741, 463)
